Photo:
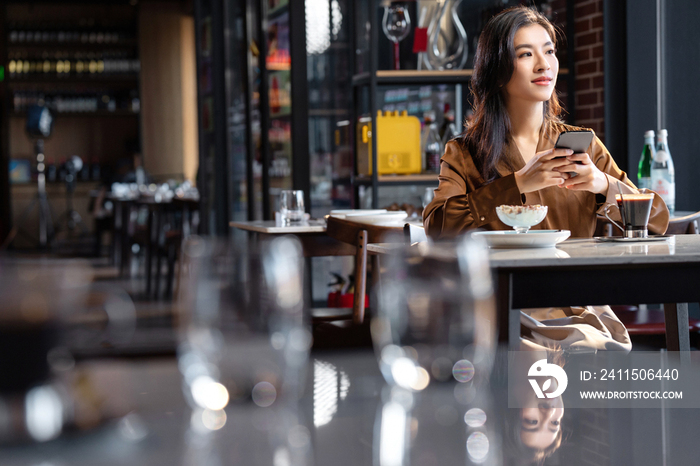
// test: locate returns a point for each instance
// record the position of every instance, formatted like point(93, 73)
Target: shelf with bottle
point(63, 69)
point(103, 80)
point(96, 103)
point(22, 37)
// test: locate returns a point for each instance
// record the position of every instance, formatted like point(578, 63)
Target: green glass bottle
point(644, 168)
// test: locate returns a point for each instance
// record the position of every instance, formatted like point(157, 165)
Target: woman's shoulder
point(457, 147)
point(457, 156)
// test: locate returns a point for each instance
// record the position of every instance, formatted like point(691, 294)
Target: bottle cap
point(649, 134)
point(663, 133)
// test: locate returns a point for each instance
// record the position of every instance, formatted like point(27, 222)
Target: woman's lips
point(542, 81)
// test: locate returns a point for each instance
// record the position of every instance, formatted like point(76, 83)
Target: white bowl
point(521, 217)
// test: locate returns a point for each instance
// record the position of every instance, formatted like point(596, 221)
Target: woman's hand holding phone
point(588, 178)
point(544, 170)
point(583, 174)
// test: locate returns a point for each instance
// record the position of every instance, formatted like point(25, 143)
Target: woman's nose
point(542, 64)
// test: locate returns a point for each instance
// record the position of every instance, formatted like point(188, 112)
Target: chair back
point(346, 230)
point(414, 233)
point(359, 235)
point(686, 225)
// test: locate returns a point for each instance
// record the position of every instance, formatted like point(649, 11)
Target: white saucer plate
point(384, 218)
point(531, 239)
point(342, 213)
point(619, 239)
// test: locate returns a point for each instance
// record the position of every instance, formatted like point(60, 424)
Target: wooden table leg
point(677, 330)
point(117, 236)
point(125, 247)
point(508, 318)
point(149, 249)
point(159, 228)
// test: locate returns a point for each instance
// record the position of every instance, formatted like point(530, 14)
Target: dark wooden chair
point(173, 224)
point(358, 235)
point(686, 225)
point(643, 319)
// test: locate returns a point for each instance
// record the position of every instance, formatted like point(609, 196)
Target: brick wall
point(588, 40)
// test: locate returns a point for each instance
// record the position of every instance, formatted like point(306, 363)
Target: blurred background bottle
point(448, 130)
point(663, 174)
point(432, 143)
point(644, 169)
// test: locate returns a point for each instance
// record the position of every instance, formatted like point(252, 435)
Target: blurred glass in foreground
point(435, 340)
point(38, 297)
point(244, 340)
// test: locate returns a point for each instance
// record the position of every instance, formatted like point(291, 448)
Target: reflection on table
point(350, 417)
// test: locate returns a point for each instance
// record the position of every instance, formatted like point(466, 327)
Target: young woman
point(506, 156)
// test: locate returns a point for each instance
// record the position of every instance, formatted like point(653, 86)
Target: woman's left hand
point(589, 178)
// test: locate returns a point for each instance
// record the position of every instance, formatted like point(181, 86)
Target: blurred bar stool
point(121, 232)
point(169, 224)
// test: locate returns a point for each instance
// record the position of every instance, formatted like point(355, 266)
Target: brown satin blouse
point(464, 202)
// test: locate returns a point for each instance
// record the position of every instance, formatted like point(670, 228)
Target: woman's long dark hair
point(486, 137)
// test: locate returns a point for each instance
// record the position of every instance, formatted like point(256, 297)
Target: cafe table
point(590, 272)
point(311, 234)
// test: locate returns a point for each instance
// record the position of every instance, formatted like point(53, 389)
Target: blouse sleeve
point(457, 206)
point(658, 219)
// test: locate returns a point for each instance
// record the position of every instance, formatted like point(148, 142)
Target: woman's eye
point(526, 54)
point(555, 423)
point(530, 422)
point(551, 52)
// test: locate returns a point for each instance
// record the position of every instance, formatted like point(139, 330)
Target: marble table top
point(276, 228)
point(273, 227)
point(577, 252)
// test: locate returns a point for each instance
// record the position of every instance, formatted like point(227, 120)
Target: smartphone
point(577, 141)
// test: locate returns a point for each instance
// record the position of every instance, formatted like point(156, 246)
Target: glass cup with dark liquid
point(634, 212)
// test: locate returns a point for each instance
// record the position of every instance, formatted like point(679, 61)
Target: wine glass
point(396, 26)
point(435, 340)
point(436, 319)
point(244, 338)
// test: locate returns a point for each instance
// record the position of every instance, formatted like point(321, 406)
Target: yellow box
point(398, 144)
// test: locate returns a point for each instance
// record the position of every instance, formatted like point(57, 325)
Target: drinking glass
point(435, 340)
point(244, 341)
point(39, 298)
point(436, 319)
point(396, 26)
point(634, 212)
point(292, 206)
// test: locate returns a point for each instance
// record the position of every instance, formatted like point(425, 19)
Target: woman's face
point(540, 424)
point(536, 66)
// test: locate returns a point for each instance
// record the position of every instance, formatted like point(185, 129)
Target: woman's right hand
point(540, 171)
